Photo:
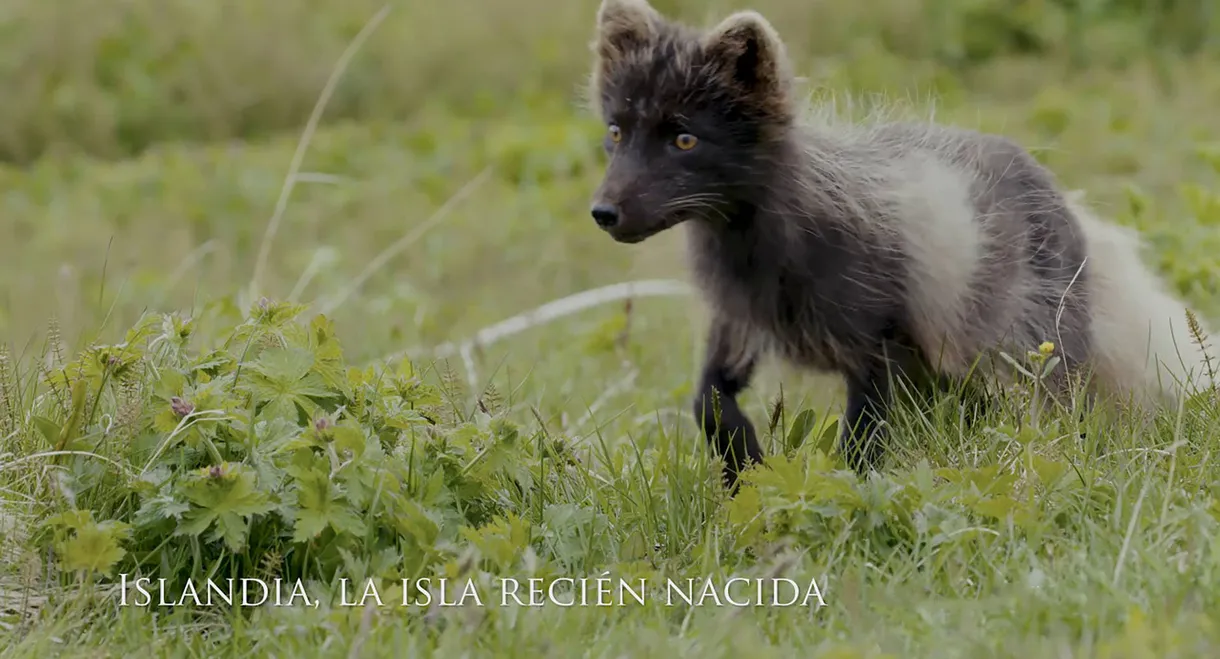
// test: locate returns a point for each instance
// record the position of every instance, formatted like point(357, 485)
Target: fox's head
point(692, 117)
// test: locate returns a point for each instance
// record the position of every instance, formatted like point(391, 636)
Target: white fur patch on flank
point(1142, 345)
point(936, 219)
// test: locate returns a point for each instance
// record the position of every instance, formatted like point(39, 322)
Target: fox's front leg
point(724, 424)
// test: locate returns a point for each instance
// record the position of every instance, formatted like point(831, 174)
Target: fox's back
point(994, 255)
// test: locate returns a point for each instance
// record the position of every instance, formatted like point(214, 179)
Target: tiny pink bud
point(180, 407)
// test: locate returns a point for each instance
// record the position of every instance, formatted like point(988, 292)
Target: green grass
point(568, 450)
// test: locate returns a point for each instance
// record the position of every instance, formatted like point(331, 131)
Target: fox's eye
point(686, 141)
point(616, 134)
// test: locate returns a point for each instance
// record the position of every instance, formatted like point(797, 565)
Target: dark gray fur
point(794, 239)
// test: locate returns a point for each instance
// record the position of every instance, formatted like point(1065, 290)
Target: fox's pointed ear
point(624, 25)
point(747, 54)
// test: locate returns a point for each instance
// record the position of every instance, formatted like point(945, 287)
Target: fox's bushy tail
point(1143, 346)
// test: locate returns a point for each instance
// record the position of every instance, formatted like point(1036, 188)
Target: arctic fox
point(871, 250)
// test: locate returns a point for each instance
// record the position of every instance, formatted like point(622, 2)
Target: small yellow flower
point(1046, 348)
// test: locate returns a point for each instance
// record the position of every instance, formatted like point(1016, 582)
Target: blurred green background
point(113, 78)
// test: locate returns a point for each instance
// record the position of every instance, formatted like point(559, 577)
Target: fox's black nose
point(605, 215)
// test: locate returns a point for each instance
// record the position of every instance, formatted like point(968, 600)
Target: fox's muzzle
point(623, 227)
point(621, 206)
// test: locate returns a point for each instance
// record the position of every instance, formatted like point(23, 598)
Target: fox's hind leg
point(716, 409)
point(870, 395)
point(863, 435)
point(972, 397)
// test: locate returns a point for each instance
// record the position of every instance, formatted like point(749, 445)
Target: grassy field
point(207, 372)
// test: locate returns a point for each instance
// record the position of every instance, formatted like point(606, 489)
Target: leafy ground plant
point(267, 444)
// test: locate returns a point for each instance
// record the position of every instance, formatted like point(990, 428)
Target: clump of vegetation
point(177, 464)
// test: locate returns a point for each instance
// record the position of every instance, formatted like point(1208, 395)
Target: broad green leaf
point(828, 436)
point(997, 507)
point(87, 545)
point(413, 521)
point(283, 365)
point(226, 495)
point(802, 425)
point(159, 507)
point(47, 428)
point(1049, 471)
point(320, 504)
